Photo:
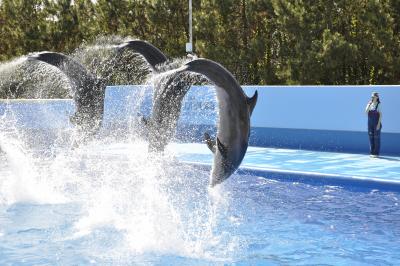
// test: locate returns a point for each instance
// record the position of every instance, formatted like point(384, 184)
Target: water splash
point(23, 183)
point(100, 58)
point(21, 78)
point(158, 205)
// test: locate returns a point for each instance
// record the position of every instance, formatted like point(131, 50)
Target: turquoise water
point(111, 203)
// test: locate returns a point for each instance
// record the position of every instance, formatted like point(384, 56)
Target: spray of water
point(158, 204)
point(100, 58)
point(21, 181)
point(21, 78)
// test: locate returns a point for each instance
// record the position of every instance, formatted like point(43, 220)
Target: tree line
point(271, 42)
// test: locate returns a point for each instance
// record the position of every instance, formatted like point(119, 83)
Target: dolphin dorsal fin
point(222, 149)
point(251, 102)
point(210, 143)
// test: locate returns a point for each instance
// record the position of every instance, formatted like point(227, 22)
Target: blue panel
point(38, 114)
point(322, 140)
point(328, 118)
point(323, 107)
point(303, 139)
point(334, 120)
point(199, 107)
point(123, 103)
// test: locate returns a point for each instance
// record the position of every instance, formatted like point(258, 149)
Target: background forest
point(265, 42)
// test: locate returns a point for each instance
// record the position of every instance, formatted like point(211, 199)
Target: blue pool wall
point(327, 118)
point(323, 118)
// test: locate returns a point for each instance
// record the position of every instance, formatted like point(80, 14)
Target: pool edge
point(315, 178)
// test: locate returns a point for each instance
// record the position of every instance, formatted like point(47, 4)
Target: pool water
point(112, 203)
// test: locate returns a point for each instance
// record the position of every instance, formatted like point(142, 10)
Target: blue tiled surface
point(351, 166)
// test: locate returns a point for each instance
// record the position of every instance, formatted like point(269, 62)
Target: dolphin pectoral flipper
point(73, 119)
point(145, 120)
point(251, 102)
point(210, 143)
point(222, 149)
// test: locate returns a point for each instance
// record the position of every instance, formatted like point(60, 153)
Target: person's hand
point(378, 126)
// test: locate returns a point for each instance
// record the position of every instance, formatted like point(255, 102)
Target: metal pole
point(189, 45)
point(190, 23)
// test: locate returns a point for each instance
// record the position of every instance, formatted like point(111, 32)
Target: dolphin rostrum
point(169, 92)
point(235, 109)
point(88, 90)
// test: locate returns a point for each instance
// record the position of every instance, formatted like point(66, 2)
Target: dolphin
point(233, 129)
point(151, 53)
point(88, 90)
point(169, 92)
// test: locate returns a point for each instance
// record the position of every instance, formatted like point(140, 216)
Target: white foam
point(157, 206)
point(150, 202)
point(24, 184)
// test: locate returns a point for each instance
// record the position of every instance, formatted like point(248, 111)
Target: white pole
point(190, 22)
point(189, 45)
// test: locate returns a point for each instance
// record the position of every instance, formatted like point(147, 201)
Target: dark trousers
point(374, 137)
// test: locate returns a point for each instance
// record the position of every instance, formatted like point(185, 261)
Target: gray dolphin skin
point(88, 90)
point(151, 53)
point(235, 109)
point(169, 92)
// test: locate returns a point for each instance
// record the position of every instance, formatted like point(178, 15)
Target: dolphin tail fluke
point(151, 53)
point(70, 67)
point(52, 58)
point(58, 60)
point(251, 102)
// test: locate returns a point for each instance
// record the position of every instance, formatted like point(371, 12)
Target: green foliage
point(339, 42)
point(260, 41)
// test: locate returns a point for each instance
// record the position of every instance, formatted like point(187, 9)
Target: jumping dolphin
point(88, 90)
point(151, 53)
point(235, 109)
point(168, 95)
